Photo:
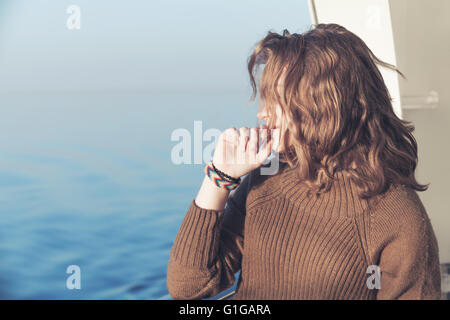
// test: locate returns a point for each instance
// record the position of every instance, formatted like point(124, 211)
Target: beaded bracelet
point(224, 176)
point(218, 180)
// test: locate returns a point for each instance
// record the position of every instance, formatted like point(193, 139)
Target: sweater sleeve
point(208, 247)
point(407, 250)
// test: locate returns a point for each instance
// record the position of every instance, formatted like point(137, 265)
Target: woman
point(341, 219)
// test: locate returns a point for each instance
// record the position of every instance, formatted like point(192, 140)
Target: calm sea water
point(87, 180)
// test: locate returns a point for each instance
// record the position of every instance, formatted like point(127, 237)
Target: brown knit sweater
point(289, 245)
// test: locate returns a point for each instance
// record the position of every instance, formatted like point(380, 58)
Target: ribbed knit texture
point(290, 245)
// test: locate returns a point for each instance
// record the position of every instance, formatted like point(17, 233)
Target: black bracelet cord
point(226, 177)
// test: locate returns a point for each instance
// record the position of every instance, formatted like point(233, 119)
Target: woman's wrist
point(221, 179)
point(210, 196)
point(226, 177)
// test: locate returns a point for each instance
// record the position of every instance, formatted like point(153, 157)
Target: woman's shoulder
point(399, 208)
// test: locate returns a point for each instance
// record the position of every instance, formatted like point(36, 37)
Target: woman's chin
point(277, 148)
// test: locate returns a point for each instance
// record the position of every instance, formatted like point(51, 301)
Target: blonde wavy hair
point(339, 109)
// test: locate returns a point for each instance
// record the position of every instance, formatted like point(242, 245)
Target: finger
point(228, 144)
point(231, 135)
point(265, 151)
point(244, 134)
point(263, 134)
point(252, 145)
point(243, 138)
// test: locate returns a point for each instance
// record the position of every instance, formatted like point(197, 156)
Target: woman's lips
point(266, 127)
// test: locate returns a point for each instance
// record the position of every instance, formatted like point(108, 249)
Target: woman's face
point(280, 120)
point(263, 115)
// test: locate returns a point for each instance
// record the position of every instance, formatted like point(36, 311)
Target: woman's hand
point(236, 153)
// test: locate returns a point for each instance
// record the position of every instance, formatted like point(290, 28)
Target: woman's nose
point(262, 114)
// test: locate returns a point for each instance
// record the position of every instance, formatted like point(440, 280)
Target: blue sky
point(137, 45)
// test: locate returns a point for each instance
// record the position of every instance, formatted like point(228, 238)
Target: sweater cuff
point(196, 243)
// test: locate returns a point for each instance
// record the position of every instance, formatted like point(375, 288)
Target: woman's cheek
point(276, 140)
